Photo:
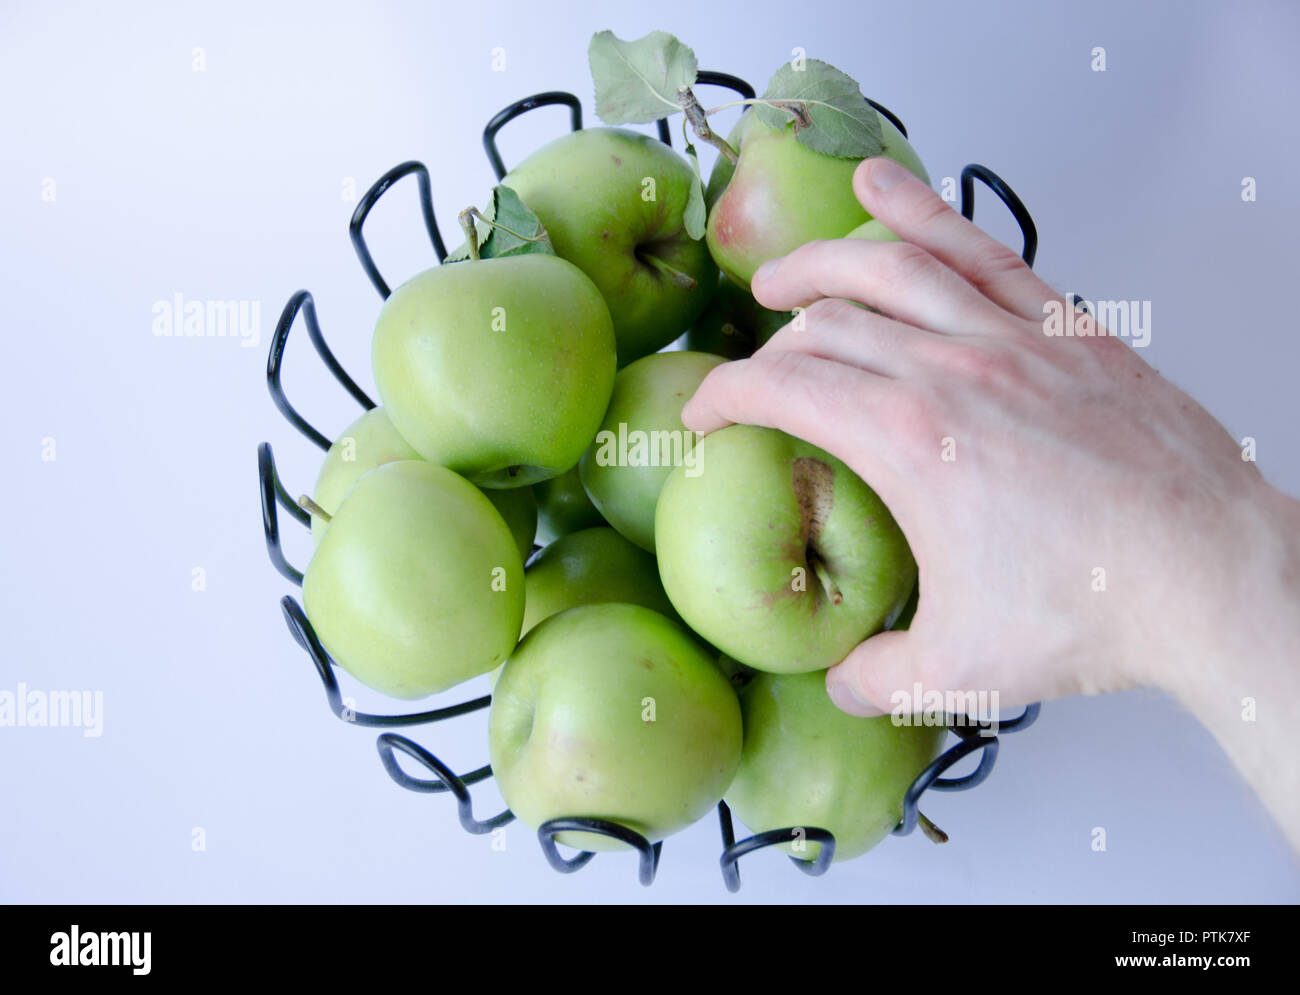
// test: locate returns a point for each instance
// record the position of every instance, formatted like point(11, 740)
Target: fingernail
point(847, 700)
point(768, 268)
point(887, 174)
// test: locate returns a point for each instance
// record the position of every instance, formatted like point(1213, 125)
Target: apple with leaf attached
point(500, 366)
point(785, 177)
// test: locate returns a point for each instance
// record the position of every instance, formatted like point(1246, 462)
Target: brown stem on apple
point(824, 578)
point(683, 280)
point(307, 504)
point(933, 833)
point(466, 219)
point(700, 122)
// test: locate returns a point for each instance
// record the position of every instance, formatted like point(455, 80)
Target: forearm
point(1243, 680)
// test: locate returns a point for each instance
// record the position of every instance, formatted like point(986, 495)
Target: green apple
point(734, 324)
point(563, 507)
point(518, 508)
point(614, 203)
point(590, 567)
point(371, 441)
point(642, 439)
point(612, 711)
point(777, 553)
point(782, 194)
point(367, 443)
point(418, 584)
point(808, 764)
point(499, 369)
point(874, 230)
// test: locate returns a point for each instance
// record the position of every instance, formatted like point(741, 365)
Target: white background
point(233, 183)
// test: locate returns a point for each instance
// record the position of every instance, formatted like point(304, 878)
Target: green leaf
point(696, 214)
point(525, 235)
point(637, 81)
point(830, 114)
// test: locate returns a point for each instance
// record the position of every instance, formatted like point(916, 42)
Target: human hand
point(1074, 516)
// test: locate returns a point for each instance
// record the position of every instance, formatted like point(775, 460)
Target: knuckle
point(986, 365)
point(828, 311)
point(926, 209)
point(905, 265)
point(997, 261)
point(916, 422)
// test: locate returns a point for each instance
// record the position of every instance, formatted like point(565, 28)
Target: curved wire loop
point(507, 114)
point(271, 491)
point(974, 171)
point(301, 301)
point(371, 198)
point(444, 780)
point(305, 636)
point(733, 851)
point(648, 863)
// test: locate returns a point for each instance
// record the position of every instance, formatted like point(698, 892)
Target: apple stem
point(307, 504)
point(466, 219)
point(932, 832)
point(824, 579)
point(700, 122)
point(683, 280)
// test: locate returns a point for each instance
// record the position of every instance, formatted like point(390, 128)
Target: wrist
point(1238, 637)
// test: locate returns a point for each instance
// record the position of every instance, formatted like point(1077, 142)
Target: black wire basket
point(973, 737)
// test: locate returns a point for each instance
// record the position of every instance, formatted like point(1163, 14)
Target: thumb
point(870, 678)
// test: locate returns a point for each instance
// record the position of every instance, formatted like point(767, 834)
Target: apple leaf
point(637, 81)
point(830, 114)
point(507, 228)
point(696, 214)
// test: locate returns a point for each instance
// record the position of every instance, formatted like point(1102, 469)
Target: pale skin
point(1019, 465)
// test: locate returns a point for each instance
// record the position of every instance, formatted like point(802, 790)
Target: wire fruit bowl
point(973, 737)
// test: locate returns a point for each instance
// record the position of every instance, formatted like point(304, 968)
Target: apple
point(499, 369)
point(782, 194)
point(592, 566)
point(873, 230)
point(367, 443)
point(613, 202)
point(642, 439)
point(371, 441)
point(613, 711)
point(807, 764)
point(589, 567)
point(734, 324)
point(777, 553)
point(418, 584)
point(563, 507)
